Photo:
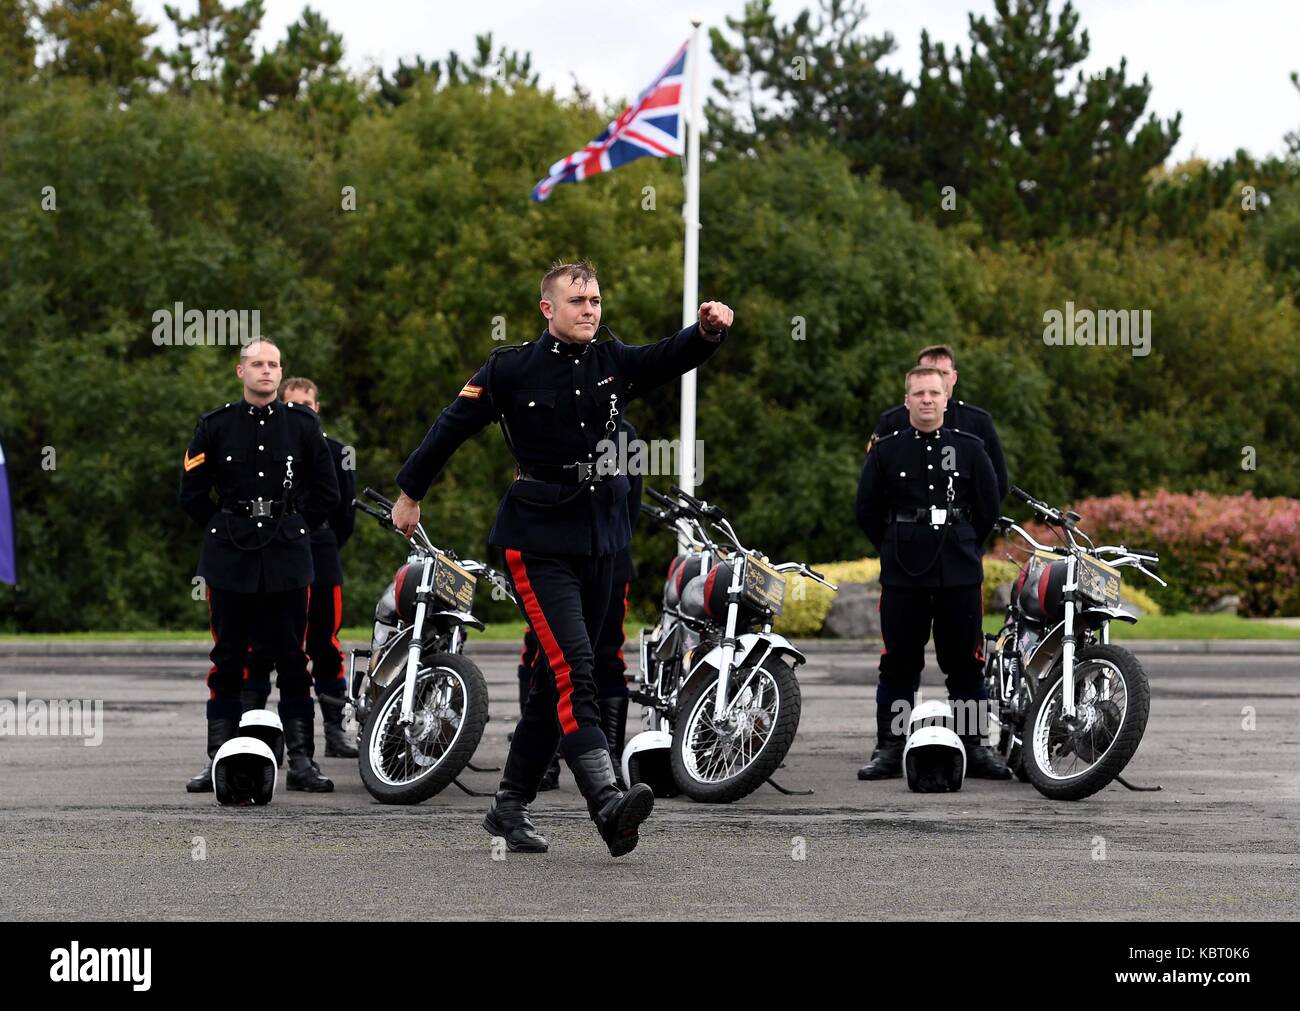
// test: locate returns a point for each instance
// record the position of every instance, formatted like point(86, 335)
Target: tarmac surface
point(108, 832)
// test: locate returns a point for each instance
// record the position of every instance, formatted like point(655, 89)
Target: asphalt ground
point(108, 832)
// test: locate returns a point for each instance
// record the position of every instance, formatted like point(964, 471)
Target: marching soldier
point(610, 669)
point(562, 523)
point(270, 468)
point(325, 609)
point(927, 499)
point(960, 414)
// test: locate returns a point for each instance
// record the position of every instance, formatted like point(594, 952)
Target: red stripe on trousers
point(554, 654)
point(334, 636)
point(621, 623)
point(213, 669)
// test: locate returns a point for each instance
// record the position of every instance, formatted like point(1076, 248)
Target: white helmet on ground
point(265, 726)
point(243, 773)
point(934, 759)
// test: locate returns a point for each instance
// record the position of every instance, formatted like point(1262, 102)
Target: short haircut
point(243, 352)
point(937, 351)
point(299, 383)
point(580, 271)
point(920, 370)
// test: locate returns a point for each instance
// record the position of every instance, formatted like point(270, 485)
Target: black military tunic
point(929, 575)
point(960, 415)
point(244, 453)
point(328, 536)
point(554, 401)
point(905, 474)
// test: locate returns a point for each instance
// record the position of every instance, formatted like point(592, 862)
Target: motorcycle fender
point(392, 661)
point(456, 618)
point(1096, 615)
point(752, 649)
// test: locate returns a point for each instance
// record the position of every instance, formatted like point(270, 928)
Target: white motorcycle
point(421, 704)
point(721, 698)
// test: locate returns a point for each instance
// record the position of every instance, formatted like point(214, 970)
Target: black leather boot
point(886, 761)
point(613, 720)
point(299, 744)
point(616, 814)
point(337, 744)
point(219, 732)
point(981, 762)
point(508, 816)
point(251, 698)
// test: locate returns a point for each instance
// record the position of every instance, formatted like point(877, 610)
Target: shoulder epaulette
point(974, 407)
point(216, 410)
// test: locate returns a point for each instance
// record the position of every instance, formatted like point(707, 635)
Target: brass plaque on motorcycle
point(1098, 581)
point(453, 585)
point(763, 586)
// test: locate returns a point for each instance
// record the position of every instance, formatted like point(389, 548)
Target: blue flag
point(8, 559)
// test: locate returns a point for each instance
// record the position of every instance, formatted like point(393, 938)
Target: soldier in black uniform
point(562, 523)
point(927, 499)
point(325, 610)
point(609, 667)
point(960, 414)
point(271, 470)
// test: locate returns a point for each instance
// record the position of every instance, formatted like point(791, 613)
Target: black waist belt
point(260, 507)
point(569, 473)
point(955, 515)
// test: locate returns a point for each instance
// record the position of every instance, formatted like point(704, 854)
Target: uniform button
point(260, 474)
point(932, 487)
point(261, 422)
point(929, 449)
point(301, 530)
point(214, 530)
point(588, 456)
point(259, 524)
point(593, 487)
point(929, 466)
point(577, 393)
point(532, 403)
point(227, 459)
point(902, 473)
point(582, 424)
point(289, 458)
point(261, 449)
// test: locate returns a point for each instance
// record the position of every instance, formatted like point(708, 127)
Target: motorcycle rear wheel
point(1112, 700)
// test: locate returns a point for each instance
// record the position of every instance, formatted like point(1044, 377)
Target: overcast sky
point(1224, 64)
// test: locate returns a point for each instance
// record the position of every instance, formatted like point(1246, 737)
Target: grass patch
point(1187, 626)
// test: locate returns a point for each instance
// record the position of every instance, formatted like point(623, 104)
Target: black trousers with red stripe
point(564, 599)
point(324, 615)
point(906, 616)
point(609, 667)
point(277, 621)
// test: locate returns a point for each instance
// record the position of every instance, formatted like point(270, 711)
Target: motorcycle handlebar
point(711, 511)
point(374, 496)
point(660, 497)
point(384, 518)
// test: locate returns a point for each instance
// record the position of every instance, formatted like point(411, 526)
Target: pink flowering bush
point(1209, 546)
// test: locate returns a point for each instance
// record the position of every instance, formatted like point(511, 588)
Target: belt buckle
point(585, 471)
point(259, 507)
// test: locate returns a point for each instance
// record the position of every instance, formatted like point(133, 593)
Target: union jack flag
point(650, 126)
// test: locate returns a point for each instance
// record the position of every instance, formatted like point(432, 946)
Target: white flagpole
point(690, 271)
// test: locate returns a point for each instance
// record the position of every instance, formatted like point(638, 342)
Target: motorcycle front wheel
point(448, 717)
point(718, 763)
point(1069, 759)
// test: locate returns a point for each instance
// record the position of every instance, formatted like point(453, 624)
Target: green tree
point(17, 44)
point(810, 80)
point(1026, 158)
point(214, 50)
point(100, 41)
